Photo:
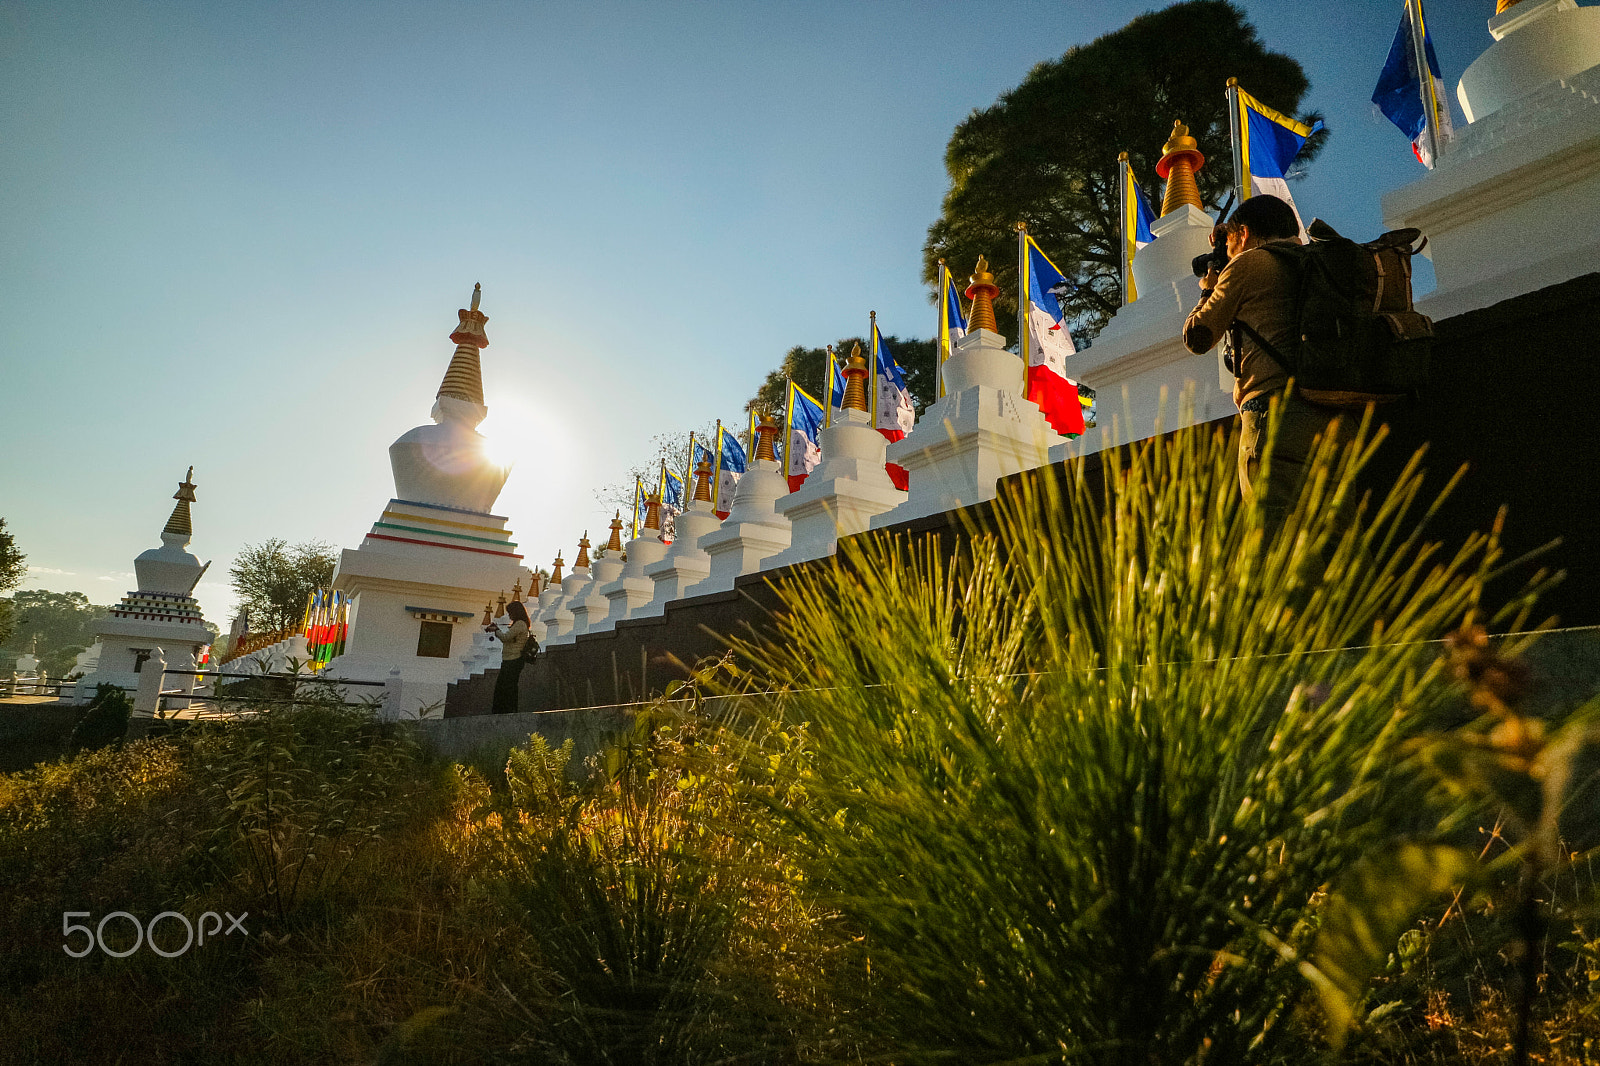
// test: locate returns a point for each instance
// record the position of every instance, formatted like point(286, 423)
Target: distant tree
point(62, 622)
point(272, 580)
point(13, 566)
point(809, 366)
point(673, 448)
point(1046, 152)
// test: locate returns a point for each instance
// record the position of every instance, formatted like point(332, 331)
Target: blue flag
point(731, 462)
point(1407, 97)
point(803, 449)
point(1268, 142)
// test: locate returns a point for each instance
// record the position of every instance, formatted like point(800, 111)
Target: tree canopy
point(1046, 152)
point(13, 567)
point(271, 580)
point(63, 623)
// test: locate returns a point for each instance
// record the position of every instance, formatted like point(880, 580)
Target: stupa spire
point(463, 379)
point(982, 292)
point(555, 571)
point(615, 543)
point(582, 561)
point(178, 524)
point(1180, 160)
point(855, 381)
point(652, 512)
point(766, 437)
point(702, 482)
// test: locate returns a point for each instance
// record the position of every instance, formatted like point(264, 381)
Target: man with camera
point(1248, 298)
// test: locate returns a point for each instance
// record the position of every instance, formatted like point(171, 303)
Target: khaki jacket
point(512, 641)
point(1258, 288)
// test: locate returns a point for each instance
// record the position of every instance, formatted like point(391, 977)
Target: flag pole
point(716, 468)
point(638, 489)
point(827, 393)
point(1123, 192)
point(940, 330)
point(872, 369)
point(1023, 348)
point(1430, 98)
point(1241, 180)
point(788, 419)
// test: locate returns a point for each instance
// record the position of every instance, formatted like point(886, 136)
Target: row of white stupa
point(1513, 206)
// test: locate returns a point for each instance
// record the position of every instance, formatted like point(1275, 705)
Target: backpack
point(1360, 339)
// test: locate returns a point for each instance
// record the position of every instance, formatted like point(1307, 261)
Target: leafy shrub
point(105, 721)
point(293, 796)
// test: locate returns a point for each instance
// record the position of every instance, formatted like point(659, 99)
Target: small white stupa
point(1513, 204)
point(754, 531)
point(849, 487)
point(27, 664)
point(1139, 357)
point(590, 606)
point(573, 588)
point(162, 614)
point(631, 589)
point(435, 552)
point(980, 431)
point(686, 563)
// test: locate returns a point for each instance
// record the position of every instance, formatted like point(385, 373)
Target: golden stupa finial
point(652, 512)
point(982, 292)
point(1180, 160)
point(477, 294)
point(555, 570)
point(500, 604)
point(615, 543)
point(582, 561)
point(488, 619)
point(702, 482)
point(516, 590)
point(855, 381)
point(767, 437)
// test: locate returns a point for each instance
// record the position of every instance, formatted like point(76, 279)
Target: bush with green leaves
point(293, 796)
point(104, 721)
point(1081, 785)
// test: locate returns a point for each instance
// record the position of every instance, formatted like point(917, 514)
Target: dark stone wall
point(1515, 397)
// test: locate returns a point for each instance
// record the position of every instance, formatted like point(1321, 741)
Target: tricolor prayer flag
point(1265, 143)
point(952, 323)
point(1048, 342)
point(731, 463)
point(1136, 220)
point(892, 412)
point(803, 448)
point(1413, 99)
point(672, 501)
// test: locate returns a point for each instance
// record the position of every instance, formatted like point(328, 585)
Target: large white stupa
point(436, 553)
point(160, 614)
point(1514, 203)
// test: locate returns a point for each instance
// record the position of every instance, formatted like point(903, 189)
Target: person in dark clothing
point(512, 643)
point(1259, 289)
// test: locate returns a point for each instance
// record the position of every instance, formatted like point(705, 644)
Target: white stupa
point(435, 553)
point(754, 531)
point(685, 563)
point(573, 588)
point(160, 614)
point(848, 488)
point(632, 589)
point(1138, 365)
point(590, 607)
point(981, 430)
point(1513, 204)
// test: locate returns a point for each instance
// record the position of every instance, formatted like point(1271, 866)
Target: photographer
point(1247, 296)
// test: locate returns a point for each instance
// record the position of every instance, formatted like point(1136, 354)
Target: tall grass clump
point(1081, 787)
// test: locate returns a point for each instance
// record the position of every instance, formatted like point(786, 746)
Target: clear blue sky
point(236, 234)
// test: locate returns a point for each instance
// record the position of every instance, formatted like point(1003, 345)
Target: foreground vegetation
point(1093, 790)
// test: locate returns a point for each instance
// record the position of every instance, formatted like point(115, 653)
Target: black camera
point(1218, 256)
